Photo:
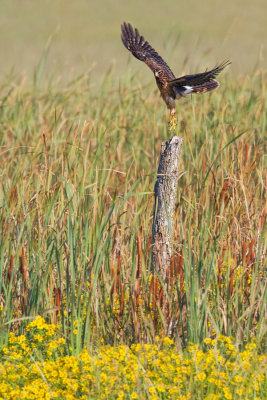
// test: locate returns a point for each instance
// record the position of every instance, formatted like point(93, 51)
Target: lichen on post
point(164, 208)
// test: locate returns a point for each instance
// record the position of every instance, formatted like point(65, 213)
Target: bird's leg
point(172, 123)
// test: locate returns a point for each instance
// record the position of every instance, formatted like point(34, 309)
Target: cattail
point(246, 155)
point(219, 276)
point(220, 261)
point(249, 261)
point(22, 267)
point(57, 297)
point(231, 280)
point(251, 253)
point(122, 300)
point(161, 297)
point(138, 271)
point(225, 195)
point(263, 214)
point(135, 319)
point(137, 293)
point(118, 277)
point(112, 277)
point(115, 276)
point(139, 254)
point(13, 197)
point(24, 277)
point(148, 249)
point(10, 269)
point(45, 151)
point(180, 267)
point(204, 164)
point(155, 292)
point(171, 272)
point(151, 289)
point(244, 250)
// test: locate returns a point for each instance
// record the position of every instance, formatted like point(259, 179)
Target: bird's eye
point(158, 73)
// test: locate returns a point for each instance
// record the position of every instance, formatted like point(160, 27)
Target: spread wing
point(199, 79)
point(142, 50)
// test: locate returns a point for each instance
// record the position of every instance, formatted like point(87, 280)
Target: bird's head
point(158, 73)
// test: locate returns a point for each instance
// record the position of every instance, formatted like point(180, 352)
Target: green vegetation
point(78, 169)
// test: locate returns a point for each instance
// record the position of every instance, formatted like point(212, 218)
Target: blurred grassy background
point(87, 33)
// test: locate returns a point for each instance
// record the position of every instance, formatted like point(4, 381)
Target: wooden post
point(164, 208)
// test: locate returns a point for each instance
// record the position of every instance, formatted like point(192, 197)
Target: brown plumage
point(171, 88)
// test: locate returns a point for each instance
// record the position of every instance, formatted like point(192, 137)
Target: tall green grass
point(78, 166)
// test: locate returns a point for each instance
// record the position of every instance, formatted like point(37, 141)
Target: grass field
point(78, 171)
point(81, 316)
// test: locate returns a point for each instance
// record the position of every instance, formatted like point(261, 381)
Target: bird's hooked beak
point(156, 74)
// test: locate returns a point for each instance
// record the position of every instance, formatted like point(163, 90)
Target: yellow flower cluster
point(143, 371)
point(40, 325)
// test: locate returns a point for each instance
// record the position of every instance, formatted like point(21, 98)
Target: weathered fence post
point(164, 208)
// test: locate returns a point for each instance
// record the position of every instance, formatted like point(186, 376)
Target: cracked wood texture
point(164, 208)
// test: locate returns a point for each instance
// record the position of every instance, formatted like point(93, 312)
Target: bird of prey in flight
point(171, 88)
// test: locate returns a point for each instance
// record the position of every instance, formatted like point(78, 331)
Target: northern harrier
point(171, 88)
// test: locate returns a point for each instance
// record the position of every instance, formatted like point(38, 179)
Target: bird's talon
point(173, 123)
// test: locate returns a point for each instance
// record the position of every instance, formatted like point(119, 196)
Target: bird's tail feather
point(205, 87)
point(200, 88)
